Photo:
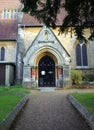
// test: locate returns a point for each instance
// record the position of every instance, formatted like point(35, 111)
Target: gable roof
point(30, 21)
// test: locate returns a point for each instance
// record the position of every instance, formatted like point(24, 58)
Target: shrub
point(76, 76)
point(88, 77)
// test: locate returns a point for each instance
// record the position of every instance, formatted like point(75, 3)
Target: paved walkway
point(49, 111)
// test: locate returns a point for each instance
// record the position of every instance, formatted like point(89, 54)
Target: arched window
point(2, 54)
point(81, 54)
point(8, 14)
point(84, 54)
point(15, 13)
point(11, 14)
point(4, 14)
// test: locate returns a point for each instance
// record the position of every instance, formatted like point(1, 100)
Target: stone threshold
point(6, 123)
point(47, 89)
point(83, 112)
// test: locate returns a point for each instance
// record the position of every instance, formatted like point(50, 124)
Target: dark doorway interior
point(2, 74)
point(46, 71)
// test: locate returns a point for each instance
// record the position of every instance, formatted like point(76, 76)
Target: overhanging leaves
point(79, 14)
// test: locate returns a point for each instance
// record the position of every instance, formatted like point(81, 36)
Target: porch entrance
point(46, 72)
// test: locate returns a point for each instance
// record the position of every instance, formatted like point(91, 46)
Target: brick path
point(49, 111)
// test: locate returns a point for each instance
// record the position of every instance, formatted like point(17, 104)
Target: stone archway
point(30, 73)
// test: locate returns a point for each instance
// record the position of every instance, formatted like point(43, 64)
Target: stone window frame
point(81, 43)
point(2, 54)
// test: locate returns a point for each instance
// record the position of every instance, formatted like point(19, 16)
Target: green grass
point(86, 99)
point(9, 99)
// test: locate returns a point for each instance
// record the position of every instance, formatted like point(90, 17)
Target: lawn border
point(84, 113)
point(6, 123)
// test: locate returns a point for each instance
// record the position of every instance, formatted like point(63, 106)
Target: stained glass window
point(81, 54)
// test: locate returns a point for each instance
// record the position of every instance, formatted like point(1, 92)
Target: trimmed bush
point(76, 76)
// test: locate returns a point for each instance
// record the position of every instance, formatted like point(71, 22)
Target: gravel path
point(49, 111)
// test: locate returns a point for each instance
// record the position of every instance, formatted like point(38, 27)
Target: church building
point(35, 55)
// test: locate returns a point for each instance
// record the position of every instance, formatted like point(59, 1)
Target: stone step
point(47, 89)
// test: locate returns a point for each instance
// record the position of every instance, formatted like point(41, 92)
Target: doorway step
point(47, 89)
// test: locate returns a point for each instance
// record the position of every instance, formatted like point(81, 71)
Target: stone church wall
point(9, 61)
point(91, 54)
point(28, 35)
point(10, 50)
point(9, 75)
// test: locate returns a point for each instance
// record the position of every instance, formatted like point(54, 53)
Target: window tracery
point(81, 54)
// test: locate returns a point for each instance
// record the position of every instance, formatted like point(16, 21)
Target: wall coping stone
point(84, 113)
point(8, 120)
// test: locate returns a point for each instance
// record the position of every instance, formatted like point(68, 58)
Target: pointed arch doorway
point(46, 72)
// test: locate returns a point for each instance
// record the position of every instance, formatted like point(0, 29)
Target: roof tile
point(8, 29)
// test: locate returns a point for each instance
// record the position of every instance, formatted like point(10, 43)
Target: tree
point(79, 14)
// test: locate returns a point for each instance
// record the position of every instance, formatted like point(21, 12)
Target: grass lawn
point(86, 99)
point(9, 99)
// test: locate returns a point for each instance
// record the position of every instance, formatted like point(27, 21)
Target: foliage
point(88, 77)
point(45, 11)
point(78, 14)
point(86, 99)
point(76, 76)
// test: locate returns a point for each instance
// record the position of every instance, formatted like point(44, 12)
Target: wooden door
point(46, 69)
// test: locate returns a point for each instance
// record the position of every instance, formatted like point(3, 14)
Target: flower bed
point(83, 86)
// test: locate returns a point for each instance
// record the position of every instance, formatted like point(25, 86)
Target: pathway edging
point(6, 123)
point(89, 117)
